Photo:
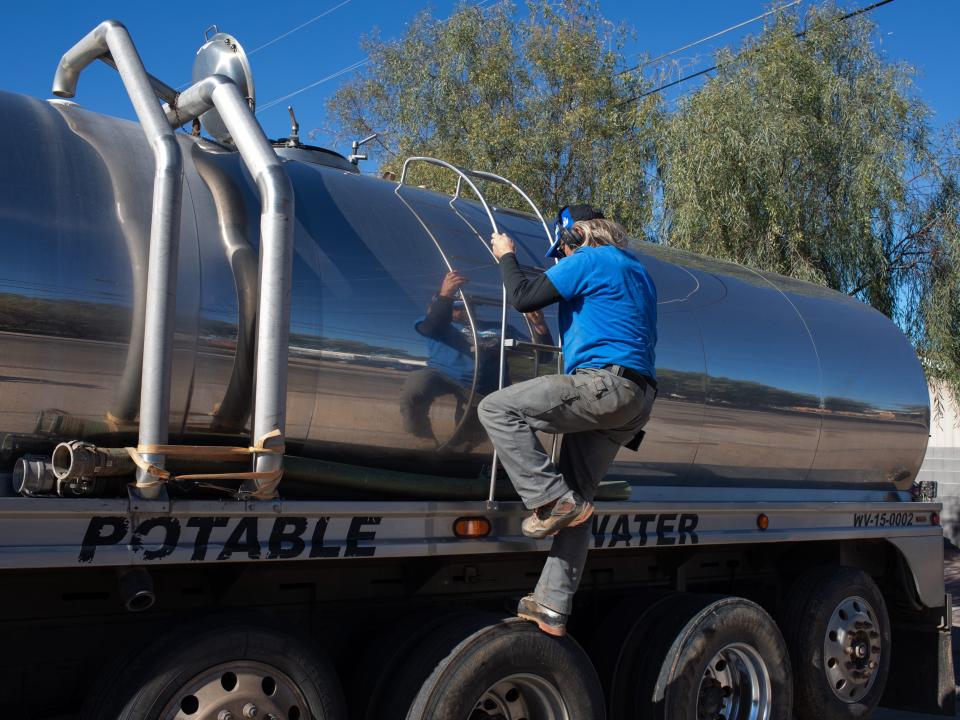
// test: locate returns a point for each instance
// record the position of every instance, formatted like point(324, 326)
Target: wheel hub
point(521, 697)
point(736, 685)
point(242, 690)
point(852, 649)
point(711, 699)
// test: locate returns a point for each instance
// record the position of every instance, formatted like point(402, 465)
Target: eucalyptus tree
point(534, 95)
point(809, 154)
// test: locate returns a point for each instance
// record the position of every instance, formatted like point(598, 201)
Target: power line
point(331, 76)
point(283, 35)
point(280, 37)
point(658, 58)
point(338, 73)
point(799, 34)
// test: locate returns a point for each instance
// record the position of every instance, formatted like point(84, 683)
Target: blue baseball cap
point(563, 227)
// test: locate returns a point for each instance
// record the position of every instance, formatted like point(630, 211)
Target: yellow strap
point(112, 421)
point(270, 475)
point(158, 475)
point(146, 483)
point(149, 468)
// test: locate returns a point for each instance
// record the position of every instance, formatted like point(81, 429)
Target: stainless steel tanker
point(763, 380)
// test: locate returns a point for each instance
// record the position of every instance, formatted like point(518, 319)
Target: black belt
point(633, 376)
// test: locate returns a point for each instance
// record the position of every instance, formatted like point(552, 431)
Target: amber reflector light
point(471, 527)
point(763, 522)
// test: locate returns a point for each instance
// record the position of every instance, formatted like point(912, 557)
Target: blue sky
point(34, 35)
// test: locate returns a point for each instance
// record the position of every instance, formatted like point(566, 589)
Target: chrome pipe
point(33, 475)
point(136, 589)
point(111, 37)
point(160, 88)
point(76, 459)
point(276, 257)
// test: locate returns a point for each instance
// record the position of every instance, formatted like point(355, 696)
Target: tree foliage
point(811, 156)
point(538, 101)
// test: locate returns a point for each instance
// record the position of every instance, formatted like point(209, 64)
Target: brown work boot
point(569, 511)
point(550, 621)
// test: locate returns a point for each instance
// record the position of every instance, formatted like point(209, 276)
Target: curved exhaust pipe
point(136, 590)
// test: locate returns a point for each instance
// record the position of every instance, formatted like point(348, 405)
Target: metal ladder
point(468, 176)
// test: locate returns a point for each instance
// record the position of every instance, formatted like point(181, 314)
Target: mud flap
point(921, 669)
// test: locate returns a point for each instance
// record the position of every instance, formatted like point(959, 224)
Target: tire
point(825, 688)
point(702, 656)
point(384, 657)
point(232, 664)
point(486, 666)
point(613, 643)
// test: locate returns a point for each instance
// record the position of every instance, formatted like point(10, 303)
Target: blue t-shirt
point(608, 314)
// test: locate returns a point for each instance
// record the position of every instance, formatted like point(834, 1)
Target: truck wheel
point(611, 644)
point(703, 657)
point(385, 656)
point(487, 668)
point(838, 632)
point(236, 671)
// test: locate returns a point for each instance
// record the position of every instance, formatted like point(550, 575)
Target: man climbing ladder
point(607, 304)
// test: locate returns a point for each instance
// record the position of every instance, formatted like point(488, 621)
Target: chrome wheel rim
point(735, 686)
point(521, 697)
point(238, 691)
point(852, 649)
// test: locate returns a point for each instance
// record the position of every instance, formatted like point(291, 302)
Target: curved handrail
point(492, 177)
point(463, 176)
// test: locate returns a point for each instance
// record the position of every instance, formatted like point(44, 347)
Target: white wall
point(942, 461)
point(945, 430)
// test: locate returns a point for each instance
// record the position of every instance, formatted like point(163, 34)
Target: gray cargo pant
point(597, 412)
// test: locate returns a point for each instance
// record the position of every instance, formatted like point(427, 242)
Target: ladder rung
point(512, 344)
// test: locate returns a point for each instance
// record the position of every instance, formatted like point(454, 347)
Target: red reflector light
point(934, 518)
point(471, 527)
point(763, 522)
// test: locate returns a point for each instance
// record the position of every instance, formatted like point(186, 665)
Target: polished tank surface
point(763, 380)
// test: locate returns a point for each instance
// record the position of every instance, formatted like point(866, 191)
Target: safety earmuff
point(564, 234)
point(571, 237)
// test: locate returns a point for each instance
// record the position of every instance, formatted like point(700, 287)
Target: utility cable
point(280, 37)
point(283, 35)
point(715, 35)
point(336, 74)
point(331, 76)
point(799, 34)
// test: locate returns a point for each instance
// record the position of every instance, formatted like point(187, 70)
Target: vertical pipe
point(111, 37)
point(276, 259)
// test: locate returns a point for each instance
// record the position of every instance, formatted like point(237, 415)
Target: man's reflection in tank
point(450, 363)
